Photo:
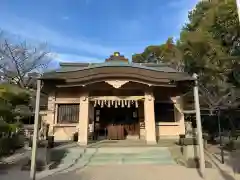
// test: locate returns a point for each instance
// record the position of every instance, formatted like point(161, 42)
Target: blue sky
point(91, 30)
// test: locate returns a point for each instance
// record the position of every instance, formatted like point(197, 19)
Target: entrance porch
point(118, 115)
point(133, 111)
point(116, 123)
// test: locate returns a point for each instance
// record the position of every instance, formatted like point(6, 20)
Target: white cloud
point(135, 33)
point(39, 33)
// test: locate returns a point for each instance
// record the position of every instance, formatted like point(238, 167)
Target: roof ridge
point(73, 64)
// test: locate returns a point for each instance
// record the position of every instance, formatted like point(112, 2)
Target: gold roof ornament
point(116, 57)
point(116, 54)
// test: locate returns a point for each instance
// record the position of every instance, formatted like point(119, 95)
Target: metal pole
point(199, 127)
point(220, 135)
point(35, 134)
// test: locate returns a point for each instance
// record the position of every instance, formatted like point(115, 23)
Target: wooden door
point(120, 132)
point(116, 132)
point(132, 129)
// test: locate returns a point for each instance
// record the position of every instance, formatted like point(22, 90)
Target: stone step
point(108, 156)
point(108, 150)
point(130, 161)
point(146, 156)
point(148, 160)
point(117, 161)
point(116, 155)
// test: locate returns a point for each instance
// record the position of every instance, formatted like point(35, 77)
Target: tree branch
point(16, 64)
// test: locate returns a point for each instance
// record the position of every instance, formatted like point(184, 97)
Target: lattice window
point(68, 113)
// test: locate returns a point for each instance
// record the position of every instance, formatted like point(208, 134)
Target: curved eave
point(86, 76)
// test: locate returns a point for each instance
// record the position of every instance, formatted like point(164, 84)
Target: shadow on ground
point(5, 167)
point(14, 163)
point(73, 175)
point(56, 157)
point(224, 174)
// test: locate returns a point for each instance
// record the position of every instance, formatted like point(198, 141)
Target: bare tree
point(19, 62)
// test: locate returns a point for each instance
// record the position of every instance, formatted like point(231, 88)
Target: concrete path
point(139, 172)
point(115, 171)
point(127, 172)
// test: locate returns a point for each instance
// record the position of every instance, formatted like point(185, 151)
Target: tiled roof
point(68, 67)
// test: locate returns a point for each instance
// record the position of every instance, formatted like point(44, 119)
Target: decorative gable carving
point(116, 83)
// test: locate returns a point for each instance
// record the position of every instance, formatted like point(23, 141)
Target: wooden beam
point(93, 98)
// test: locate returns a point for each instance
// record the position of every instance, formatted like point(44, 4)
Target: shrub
point(10, 140)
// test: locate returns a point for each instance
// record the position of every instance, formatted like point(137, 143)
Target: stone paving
point(139, 172)
point(107, 163)
point(127, 172)
point(77, 158)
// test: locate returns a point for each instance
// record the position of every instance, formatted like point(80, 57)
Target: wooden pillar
point(149, 118)
point(83, 120)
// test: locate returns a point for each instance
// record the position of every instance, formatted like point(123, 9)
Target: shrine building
point(120, 99)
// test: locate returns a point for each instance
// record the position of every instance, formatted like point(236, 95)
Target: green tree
point(209, 46)
point(167, 53)
point(14, 103)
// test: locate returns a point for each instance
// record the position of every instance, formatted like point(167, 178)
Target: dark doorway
point(116, 123)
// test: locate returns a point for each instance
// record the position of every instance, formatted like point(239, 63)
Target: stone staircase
point(127, 155)
point(70, 159)
point(117, 155)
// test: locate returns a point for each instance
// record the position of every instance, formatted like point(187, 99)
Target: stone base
point(166, 137)
point(82, 143)
point(132, 137)
point(151, 142)
point(40, 165)
point(42, 160)
point(194, 163)
point(190, 151)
